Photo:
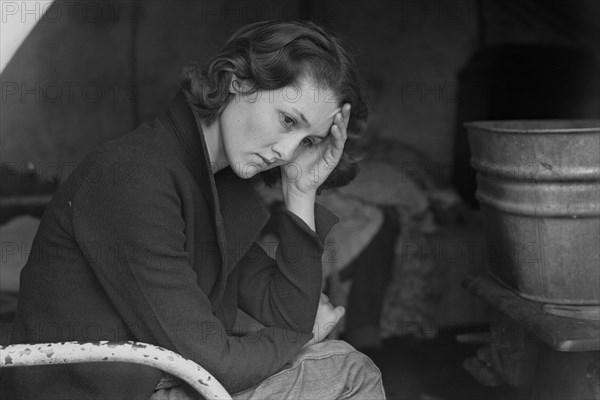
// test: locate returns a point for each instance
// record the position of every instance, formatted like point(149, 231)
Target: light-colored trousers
point(328, 370)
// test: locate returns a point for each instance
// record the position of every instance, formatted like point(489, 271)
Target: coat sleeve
point(132, 234)
point(285, 291)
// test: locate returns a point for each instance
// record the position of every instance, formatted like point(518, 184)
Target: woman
point(153, 236)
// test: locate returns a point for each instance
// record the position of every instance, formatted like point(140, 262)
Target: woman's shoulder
point(147, 144)
point(142, 156)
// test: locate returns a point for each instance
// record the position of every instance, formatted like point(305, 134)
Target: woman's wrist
point(301, 204)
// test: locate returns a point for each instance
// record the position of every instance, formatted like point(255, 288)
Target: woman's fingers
point(338, 133)
point(339, 312)
point(327, 318)
point(346, 114)
point(340, 121)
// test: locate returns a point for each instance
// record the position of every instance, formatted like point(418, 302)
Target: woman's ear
point(235, 85)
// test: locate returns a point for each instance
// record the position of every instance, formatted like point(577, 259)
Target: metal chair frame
point(21, 355)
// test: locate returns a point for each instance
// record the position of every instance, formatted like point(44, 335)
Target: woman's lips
point(264, 160)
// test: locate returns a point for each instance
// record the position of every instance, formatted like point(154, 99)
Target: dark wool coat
point(144, 243)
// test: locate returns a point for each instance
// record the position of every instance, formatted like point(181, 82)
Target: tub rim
point(507, 126)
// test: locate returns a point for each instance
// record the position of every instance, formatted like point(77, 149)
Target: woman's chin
point(247, 170)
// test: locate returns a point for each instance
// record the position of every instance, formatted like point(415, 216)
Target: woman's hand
point(312, 167)
point(326, 320)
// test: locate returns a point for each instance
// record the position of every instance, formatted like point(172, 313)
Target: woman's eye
point(287, 121)
point(308, 141)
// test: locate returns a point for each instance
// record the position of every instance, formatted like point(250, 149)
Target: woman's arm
point(288, 292)
point(133, 236)
point(285, 291)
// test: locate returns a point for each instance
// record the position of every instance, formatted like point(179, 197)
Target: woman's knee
point(361, 376)
point(331, 369)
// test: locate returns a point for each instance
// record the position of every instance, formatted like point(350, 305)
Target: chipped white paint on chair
point(18, 355)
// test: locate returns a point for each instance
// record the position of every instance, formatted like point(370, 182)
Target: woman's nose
point(286, 148)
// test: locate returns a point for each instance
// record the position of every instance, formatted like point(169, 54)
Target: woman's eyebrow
point(302, 116)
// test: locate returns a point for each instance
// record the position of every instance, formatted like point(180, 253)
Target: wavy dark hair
point(270, 55)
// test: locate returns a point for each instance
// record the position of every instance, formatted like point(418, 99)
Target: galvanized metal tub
point(538, 184)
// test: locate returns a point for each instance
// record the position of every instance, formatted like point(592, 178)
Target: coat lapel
point(238, 211)
point(190, 149)
point(244, 214)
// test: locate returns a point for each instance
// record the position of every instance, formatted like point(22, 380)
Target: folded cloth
point(359, 222)
point(385, 184)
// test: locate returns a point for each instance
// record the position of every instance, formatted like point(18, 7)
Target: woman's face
point(268, 129)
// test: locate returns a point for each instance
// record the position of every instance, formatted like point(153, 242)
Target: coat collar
point(238, 211)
